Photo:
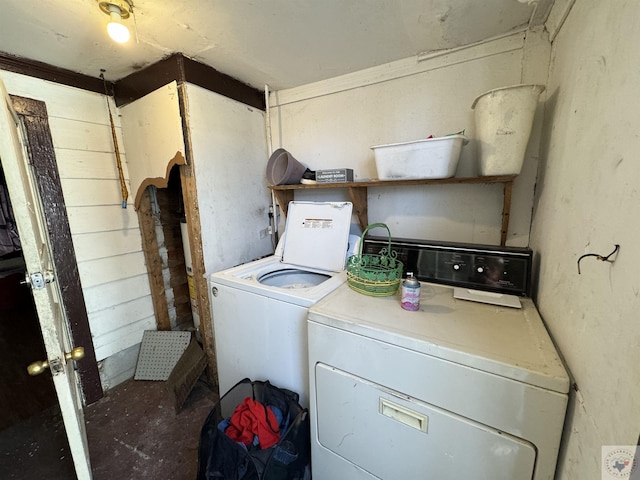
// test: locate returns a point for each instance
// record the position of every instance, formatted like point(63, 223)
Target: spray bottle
point(410, 293)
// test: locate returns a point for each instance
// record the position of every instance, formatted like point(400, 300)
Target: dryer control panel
point(479, 267)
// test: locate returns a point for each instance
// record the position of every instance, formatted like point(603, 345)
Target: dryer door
point(393, 436)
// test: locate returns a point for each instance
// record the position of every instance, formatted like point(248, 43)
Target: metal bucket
point(504, 119)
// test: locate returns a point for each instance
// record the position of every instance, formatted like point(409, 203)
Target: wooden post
point(153, 260)
point(506, 208)
point(192, 213)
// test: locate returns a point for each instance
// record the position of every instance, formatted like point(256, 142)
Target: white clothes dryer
point(455, 390)
point(260, 308)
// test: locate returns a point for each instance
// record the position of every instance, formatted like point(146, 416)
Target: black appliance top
point(480, 267)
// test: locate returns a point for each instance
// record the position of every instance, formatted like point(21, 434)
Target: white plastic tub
point(504, 119)
point(429, 158)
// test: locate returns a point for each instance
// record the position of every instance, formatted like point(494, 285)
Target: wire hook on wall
point(599, 257)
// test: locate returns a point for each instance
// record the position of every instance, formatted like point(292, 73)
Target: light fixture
point(118, 10)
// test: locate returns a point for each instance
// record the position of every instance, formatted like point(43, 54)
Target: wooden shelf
point(358, 193)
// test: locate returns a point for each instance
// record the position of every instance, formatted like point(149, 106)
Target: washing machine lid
point(317, 235)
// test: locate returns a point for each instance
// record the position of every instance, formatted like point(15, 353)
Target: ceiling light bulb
point(117, 31)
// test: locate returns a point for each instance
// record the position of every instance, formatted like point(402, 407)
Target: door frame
point(41, 153)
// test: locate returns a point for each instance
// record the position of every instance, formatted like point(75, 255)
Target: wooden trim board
point(43, 158)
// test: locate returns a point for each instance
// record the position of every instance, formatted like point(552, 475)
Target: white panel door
point(46, 291)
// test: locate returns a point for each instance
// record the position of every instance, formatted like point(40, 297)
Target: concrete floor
point(133, 432)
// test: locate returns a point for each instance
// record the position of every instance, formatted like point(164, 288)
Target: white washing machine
point(260, 308)
point(458, 389)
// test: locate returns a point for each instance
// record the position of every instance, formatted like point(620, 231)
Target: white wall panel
point(123, 338)
point(79, 135)
point(154, 135)
point(115, 293)
point(476, 215)
point(230, 156)
point(103, 218)
point(92, 246)
point(587, 201)
point(105, 270)
point(106, 321)
point(87, 164)
point(87, 192)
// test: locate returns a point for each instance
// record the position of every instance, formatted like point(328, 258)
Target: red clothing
point(252, 418)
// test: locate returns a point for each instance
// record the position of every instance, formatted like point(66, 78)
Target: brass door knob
point(36, 368)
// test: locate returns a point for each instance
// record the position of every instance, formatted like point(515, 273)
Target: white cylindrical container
point(504, 119)
point(410, 293)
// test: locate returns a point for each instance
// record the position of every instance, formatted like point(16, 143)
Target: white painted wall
point(106, 237)
point(230, 156)
point(588, 200)
point(153, 136)
point(333, 124)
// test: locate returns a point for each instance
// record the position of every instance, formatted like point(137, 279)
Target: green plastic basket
point(375, 275)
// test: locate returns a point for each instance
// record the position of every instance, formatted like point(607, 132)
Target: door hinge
point(38, 280)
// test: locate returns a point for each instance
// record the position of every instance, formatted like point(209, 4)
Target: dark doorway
point(20, 344)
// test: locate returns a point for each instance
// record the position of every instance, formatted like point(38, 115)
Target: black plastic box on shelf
point(334, 175)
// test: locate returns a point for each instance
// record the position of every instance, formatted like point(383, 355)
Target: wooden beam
point(506, 209)
point(44, 71)
point(192, 214)
point(154, 262)
point(183, 69)
point(358, 197)
point(283, 197)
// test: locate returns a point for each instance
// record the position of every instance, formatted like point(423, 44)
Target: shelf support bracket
point(283, 197)
point(506, 209)
point(358, 197)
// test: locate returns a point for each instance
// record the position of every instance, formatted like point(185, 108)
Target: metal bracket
point(38, 280)
point(125, 7)
point(56, 366)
